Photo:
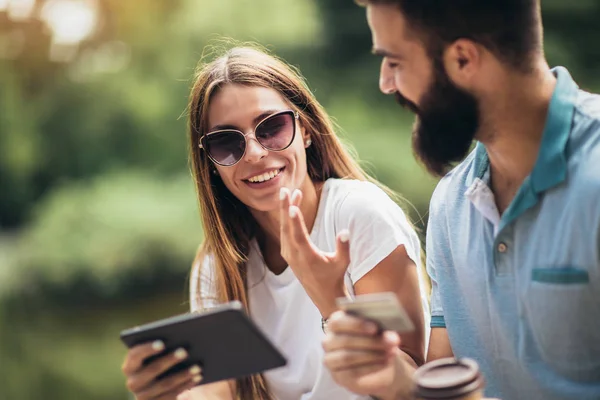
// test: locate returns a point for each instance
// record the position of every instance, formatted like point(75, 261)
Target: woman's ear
point(305, 137)
point(213, 169)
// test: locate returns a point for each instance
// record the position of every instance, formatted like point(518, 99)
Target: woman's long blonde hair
point(227, 222)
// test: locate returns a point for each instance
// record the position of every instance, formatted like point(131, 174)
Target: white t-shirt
point(285, 313)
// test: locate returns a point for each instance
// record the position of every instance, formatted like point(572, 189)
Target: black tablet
point(223, 341)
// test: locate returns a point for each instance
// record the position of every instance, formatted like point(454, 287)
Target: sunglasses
point(227, 147)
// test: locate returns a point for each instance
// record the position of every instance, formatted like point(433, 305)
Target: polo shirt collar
point(551, 165)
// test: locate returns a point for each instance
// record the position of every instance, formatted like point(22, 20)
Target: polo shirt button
point(502, 247)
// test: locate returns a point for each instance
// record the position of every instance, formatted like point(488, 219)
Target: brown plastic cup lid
point(448, 378)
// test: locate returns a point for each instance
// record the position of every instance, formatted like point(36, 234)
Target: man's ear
point(462, 60)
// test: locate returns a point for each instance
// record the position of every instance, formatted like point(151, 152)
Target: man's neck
point(513, 121)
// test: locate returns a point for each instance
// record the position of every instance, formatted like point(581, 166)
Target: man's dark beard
point(446, 124)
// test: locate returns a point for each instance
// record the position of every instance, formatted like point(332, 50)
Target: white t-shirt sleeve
point(203, 285)
point(377, 227)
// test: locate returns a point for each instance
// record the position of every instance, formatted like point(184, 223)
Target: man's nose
point(386, 79)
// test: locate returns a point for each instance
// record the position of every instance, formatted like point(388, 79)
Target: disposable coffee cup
point(449, 379)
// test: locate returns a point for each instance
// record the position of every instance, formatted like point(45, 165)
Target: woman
point(291, 223)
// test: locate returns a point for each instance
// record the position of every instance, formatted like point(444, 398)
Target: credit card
point(382, 308)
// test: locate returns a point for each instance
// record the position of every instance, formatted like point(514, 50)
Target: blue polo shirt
point(520, 292)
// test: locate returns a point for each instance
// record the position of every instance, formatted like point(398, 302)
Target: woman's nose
point(254, 151)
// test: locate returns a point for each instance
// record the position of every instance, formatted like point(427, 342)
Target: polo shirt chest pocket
point(562, 311)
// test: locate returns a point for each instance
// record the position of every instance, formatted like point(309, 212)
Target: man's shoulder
point(585, 129)
point(588, 105)
point(450, 190)
point(584, 149)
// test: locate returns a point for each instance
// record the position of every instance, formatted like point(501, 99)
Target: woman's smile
point(267, 179)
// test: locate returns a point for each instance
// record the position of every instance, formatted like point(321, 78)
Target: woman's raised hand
point(321, 273)
point(141, 378)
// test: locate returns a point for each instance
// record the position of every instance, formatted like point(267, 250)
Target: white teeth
point(265, 177)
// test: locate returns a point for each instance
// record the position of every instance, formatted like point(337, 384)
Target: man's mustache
point(405, 103)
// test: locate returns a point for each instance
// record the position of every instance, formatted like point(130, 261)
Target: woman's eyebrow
point(264, 115)
point(223, 126)
point(256, 120)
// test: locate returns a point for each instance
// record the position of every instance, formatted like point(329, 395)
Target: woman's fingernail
point(283, 192)
point(195, 370)
point(345, 236)
point(180, 353)
point(295, 194)
point(293, 211)
point(197, 378)
point(158, 345)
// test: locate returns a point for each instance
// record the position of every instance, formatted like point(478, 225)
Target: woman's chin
point(265, 205)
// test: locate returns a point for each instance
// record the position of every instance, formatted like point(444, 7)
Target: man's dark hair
point(510, 29)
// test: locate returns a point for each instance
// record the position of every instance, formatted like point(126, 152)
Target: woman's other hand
point(141, 378)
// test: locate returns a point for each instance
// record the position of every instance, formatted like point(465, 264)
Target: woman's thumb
point(343, 246)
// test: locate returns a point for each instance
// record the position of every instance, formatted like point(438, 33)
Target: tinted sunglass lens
point(225, 147)
point(276, 132)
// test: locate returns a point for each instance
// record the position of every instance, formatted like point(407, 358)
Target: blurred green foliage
point(98, 219)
